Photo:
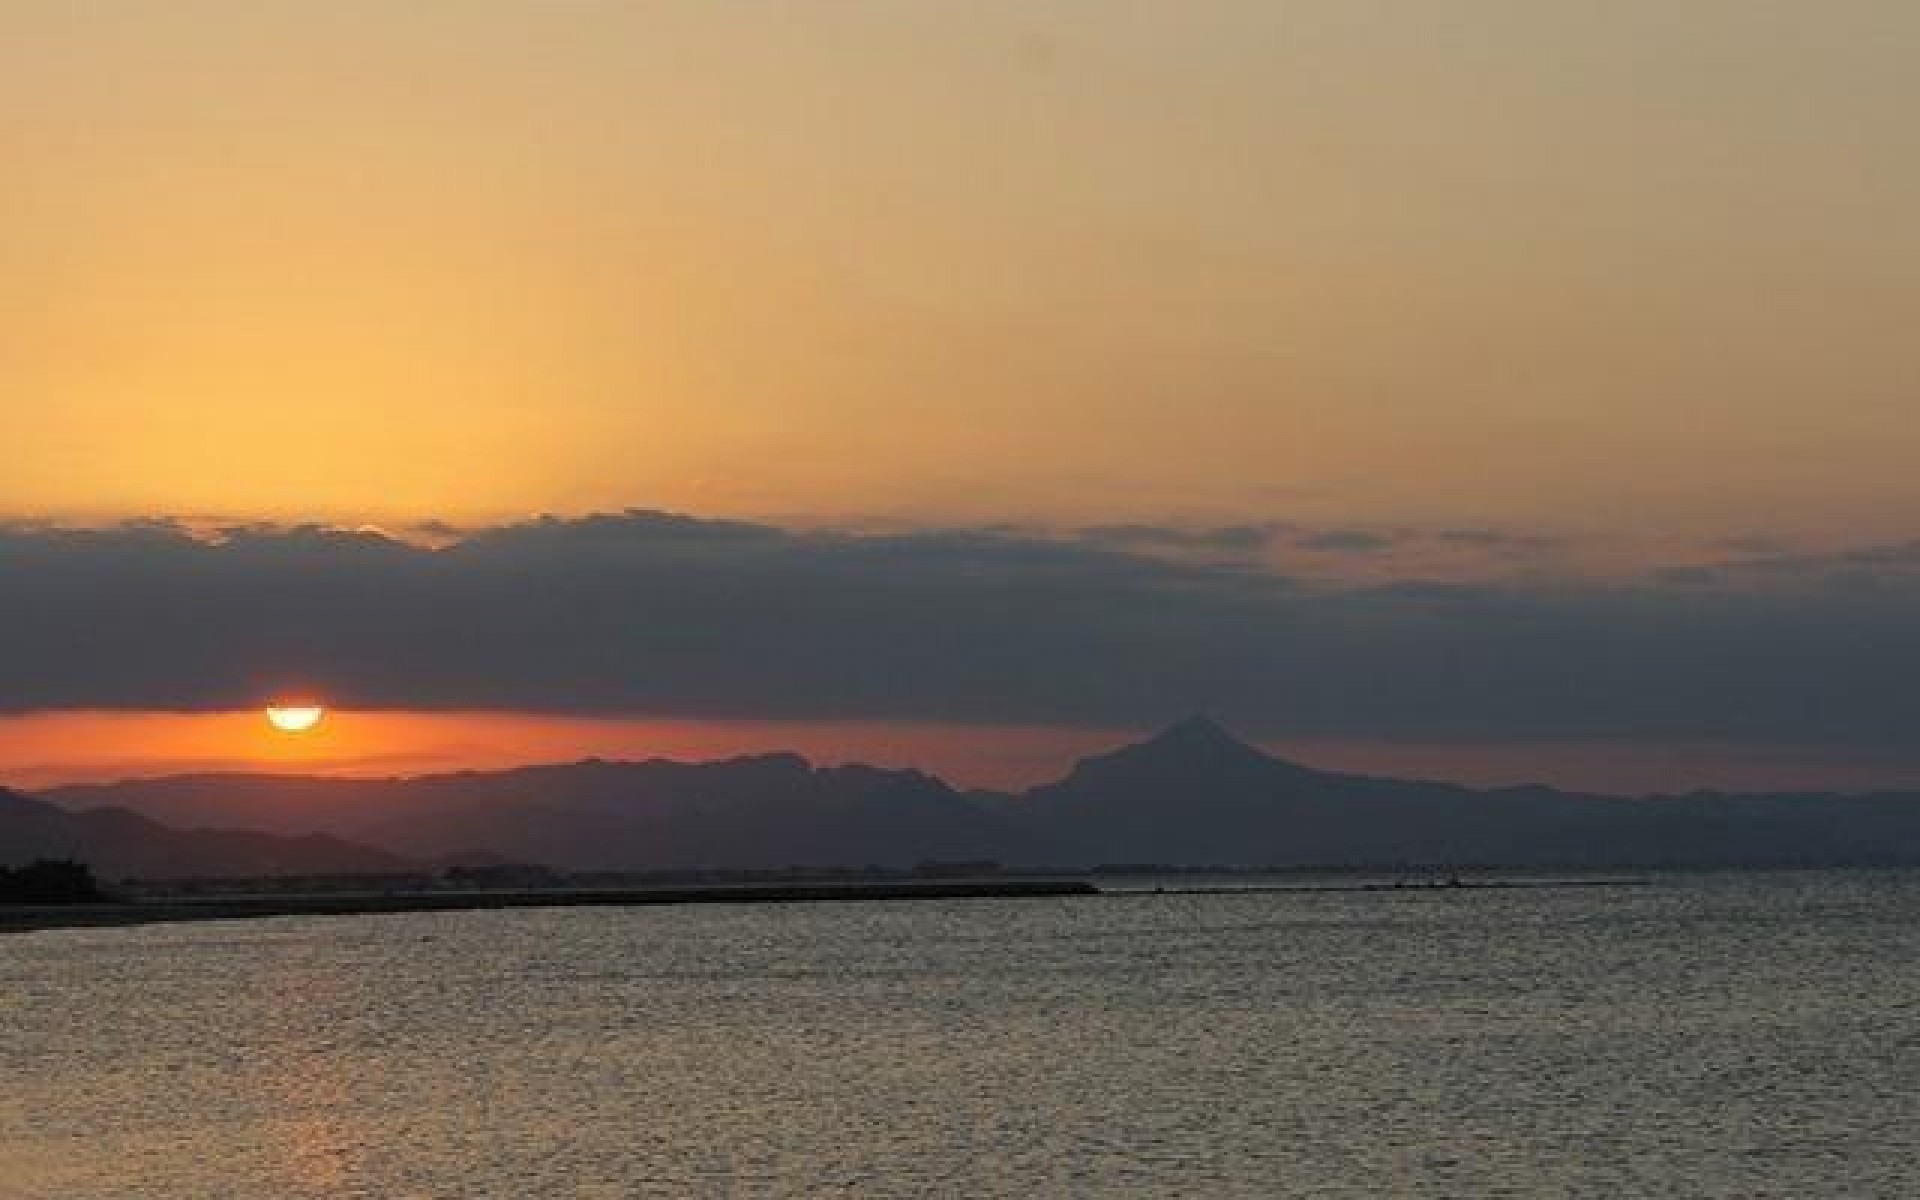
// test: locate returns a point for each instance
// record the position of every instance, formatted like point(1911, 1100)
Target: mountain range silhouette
point(120, 843)
point(1192, 795)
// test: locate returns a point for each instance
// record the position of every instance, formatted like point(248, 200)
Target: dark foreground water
point(1736, 1035)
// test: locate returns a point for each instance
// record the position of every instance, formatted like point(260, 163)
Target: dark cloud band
point(661, 614)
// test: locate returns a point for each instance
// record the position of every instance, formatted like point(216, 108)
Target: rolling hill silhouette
point(119, 843)
point(1191, 795)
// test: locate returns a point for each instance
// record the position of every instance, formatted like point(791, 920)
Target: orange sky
point(1636, 272)
point(1480, 262)
point(51, 748)
point(46, 748)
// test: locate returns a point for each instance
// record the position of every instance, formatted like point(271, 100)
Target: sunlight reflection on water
point(1737, 1035)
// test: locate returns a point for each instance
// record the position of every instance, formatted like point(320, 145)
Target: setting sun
point(295, 718)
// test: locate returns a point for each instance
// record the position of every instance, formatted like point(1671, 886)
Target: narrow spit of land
point(230, 907)
point(18, 918)
point(1450, 885)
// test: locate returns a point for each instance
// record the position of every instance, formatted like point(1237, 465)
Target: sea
point(1740, 1034)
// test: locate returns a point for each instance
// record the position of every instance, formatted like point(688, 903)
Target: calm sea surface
point(1733, 1035)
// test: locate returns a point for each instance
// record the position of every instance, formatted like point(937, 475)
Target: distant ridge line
point(1192, 795)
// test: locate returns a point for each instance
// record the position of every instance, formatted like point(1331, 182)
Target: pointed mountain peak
point(1193, 748)
point(1197, 732)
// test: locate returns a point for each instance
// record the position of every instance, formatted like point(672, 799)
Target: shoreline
point(114, 914)
point(254, 906)
point(1443, 887)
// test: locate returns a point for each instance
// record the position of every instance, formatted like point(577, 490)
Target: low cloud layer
point(649, 613)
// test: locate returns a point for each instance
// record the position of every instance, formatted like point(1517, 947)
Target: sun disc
point(296, 718)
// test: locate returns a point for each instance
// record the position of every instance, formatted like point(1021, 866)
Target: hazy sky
point(1462, 371)
point(1527, 263)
